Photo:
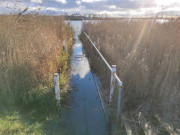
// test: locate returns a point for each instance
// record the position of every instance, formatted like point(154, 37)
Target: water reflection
point(85, 115)
point(80, 68)
point(79, 64)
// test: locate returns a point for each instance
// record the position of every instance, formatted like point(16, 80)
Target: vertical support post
point(82, 29)
point(119, 103)
point(66, 47)
point(82, 24)
point(57, 89)
point(112, 83)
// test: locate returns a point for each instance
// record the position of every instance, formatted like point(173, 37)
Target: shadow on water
point(84, 114)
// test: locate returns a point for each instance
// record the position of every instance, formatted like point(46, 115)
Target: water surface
point(84, 115)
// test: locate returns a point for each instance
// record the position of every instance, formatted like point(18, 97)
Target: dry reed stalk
point(147, 55)
point(30, 50)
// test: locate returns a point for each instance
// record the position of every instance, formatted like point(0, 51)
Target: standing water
point(84, 115)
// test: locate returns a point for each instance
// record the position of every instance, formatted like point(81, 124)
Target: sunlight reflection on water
point(79, 68)
point(85, 115)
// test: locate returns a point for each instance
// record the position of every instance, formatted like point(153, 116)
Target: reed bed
point(147, 55)
point(31, 51)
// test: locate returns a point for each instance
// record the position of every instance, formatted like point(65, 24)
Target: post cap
point(56, 74)
point(113, 68)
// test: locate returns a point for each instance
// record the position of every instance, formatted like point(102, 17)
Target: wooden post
point(57, 89)
point(112, 83)
point(119, 103)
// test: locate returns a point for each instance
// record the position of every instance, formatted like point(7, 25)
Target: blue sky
point(111, 7)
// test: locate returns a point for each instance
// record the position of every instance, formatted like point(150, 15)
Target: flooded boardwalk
point(84, 114)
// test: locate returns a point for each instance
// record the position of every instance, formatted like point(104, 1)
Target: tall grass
point(31, 51)
point(31, 48)
point(147, 55)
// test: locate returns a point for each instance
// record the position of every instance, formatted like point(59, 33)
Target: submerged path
point(84, 115)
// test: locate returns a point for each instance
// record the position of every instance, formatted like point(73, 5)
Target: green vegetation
point(31, 51)
point(37, 116)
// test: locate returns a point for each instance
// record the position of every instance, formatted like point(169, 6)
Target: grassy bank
point(147, 55)
point(31, 51)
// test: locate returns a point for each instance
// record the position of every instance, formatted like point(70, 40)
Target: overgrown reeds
point(31, 51)
point(31, 48)
point(147, 55)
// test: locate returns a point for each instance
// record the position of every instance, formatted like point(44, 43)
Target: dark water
point(84, 115)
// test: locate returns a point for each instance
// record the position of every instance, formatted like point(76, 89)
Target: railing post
point(65, 45)
point(82, 24)
point(82, 27)
point(119, 102)
point(57, 89)
point(112, 83)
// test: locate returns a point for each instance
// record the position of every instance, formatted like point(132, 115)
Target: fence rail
point(114, 77)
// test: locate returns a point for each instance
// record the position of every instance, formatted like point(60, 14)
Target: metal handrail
point(114, 77)
point(99, 52)
point(114, 73)
point(118, 80)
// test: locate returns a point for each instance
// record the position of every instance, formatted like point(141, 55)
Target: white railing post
point(119, 102)
point(82, 24)
point(112, 82)
point(82, 27)
point(114, 78)
point(65, 45)
point(57, 89)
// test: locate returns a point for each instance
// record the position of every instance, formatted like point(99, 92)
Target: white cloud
point(78, 2)
point(81, 68)
point(112, 7)
point(52, 9)
point(37, 1)
point(167, 2)
point(11, 6)
point(91, 1)
point(61, 1)
point(177, 8)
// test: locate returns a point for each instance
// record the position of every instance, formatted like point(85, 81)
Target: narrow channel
point(84, 115)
